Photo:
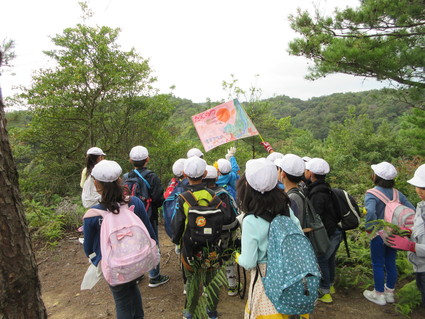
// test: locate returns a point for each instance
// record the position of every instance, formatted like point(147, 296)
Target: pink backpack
point(127, 249)
point(395, 212)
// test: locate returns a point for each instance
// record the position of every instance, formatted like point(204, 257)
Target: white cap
point(318, 166)
point(106, 171)
point(418, 179)
point(194, 152)
point(291, 164)
point(384, 170)
point(261, 174)
point(139, 153)
point(274, 156)
point(224, 166)
point(211, 172)
point(194, 167)
point(178, 167)
point(306, 158)
point(95, 151)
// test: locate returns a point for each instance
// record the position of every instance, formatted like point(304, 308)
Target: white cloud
point(192, 44)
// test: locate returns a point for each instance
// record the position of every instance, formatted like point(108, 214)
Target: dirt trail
point(61, 270)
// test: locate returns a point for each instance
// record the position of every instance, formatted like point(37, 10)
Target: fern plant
point(211, 275)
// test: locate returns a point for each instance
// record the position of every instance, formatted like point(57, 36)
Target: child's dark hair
point(196, 179)
point(139, 164)
point(275, 202)
point(113, 195)
point(91, 161)
point(379, 181)
point(320, 177)
point(292, 178)
point(209, 182)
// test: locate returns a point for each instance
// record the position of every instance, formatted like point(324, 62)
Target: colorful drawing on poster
point(222, 124)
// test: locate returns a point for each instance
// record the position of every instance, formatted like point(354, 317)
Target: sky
point(193, 45)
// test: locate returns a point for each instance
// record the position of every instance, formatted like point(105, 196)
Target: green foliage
point(382, 39)
point(212, 290)
point(409, 297)
point(412, 129)
point(355, 271)
point(205, 265)
point(49, 223)
point(97, 95)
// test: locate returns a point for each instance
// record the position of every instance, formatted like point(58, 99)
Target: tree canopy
point(382, 39)
point(95, 95)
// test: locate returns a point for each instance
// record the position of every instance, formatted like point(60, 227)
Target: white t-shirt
point(90, 196)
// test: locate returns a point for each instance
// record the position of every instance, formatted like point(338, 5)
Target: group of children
point(272, 186)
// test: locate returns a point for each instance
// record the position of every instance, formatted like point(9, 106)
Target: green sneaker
point(158, 281)
point(332, 290)
point(326, 298)
point(233, 291)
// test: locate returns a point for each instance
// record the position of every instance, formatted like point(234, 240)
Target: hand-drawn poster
point(223, 123)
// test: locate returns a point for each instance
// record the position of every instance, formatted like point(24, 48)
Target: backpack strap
point(192, 201)
point(395, 195)
point(145, 172)
point(93, 212)
point(380, 195)
point(189, 198)
point(349, 203)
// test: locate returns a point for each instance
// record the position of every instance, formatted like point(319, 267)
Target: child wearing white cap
point(383, 257)
point(195, 152)
point(229, 228)
point(290, 171)
point(195, 170)
point(228, 170)
point(262, 201)
point(416, 245)
point(89, 195)
point(178, 179)
point(319, 193)
point(139, 158)
point(106, 175)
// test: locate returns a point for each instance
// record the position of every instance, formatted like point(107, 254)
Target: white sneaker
point(389, 295)
point(378, 298)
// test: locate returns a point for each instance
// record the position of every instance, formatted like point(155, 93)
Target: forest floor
point(62, 268)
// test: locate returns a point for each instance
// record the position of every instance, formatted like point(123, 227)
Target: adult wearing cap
point(106, 175)
point(262, 201)
point(139, 158)
point(319, 193)
point(416, 245)
point(195, 170)
point(228, 170)
point(383, 257)
point(89, 195)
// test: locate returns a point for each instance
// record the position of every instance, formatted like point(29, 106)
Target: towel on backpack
point(259, 305)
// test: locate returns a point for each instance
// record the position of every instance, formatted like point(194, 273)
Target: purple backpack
point(127, 249)
point(395, 212)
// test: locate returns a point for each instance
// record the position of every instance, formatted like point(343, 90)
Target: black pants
point(420, 282)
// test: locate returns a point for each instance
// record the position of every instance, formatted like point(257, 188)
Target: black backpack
point(138, 186)
point(347, 208)
point(318, 236)
point(204, 224)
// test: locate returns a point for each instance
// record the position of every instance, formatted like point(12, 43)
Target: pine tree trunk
point(20, 291)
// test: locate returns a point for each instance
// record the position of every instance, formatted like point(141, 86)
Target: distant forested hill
point(314, 115)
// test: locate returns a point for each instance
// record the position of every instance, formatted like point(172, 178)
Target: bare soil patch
point(61, 270)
